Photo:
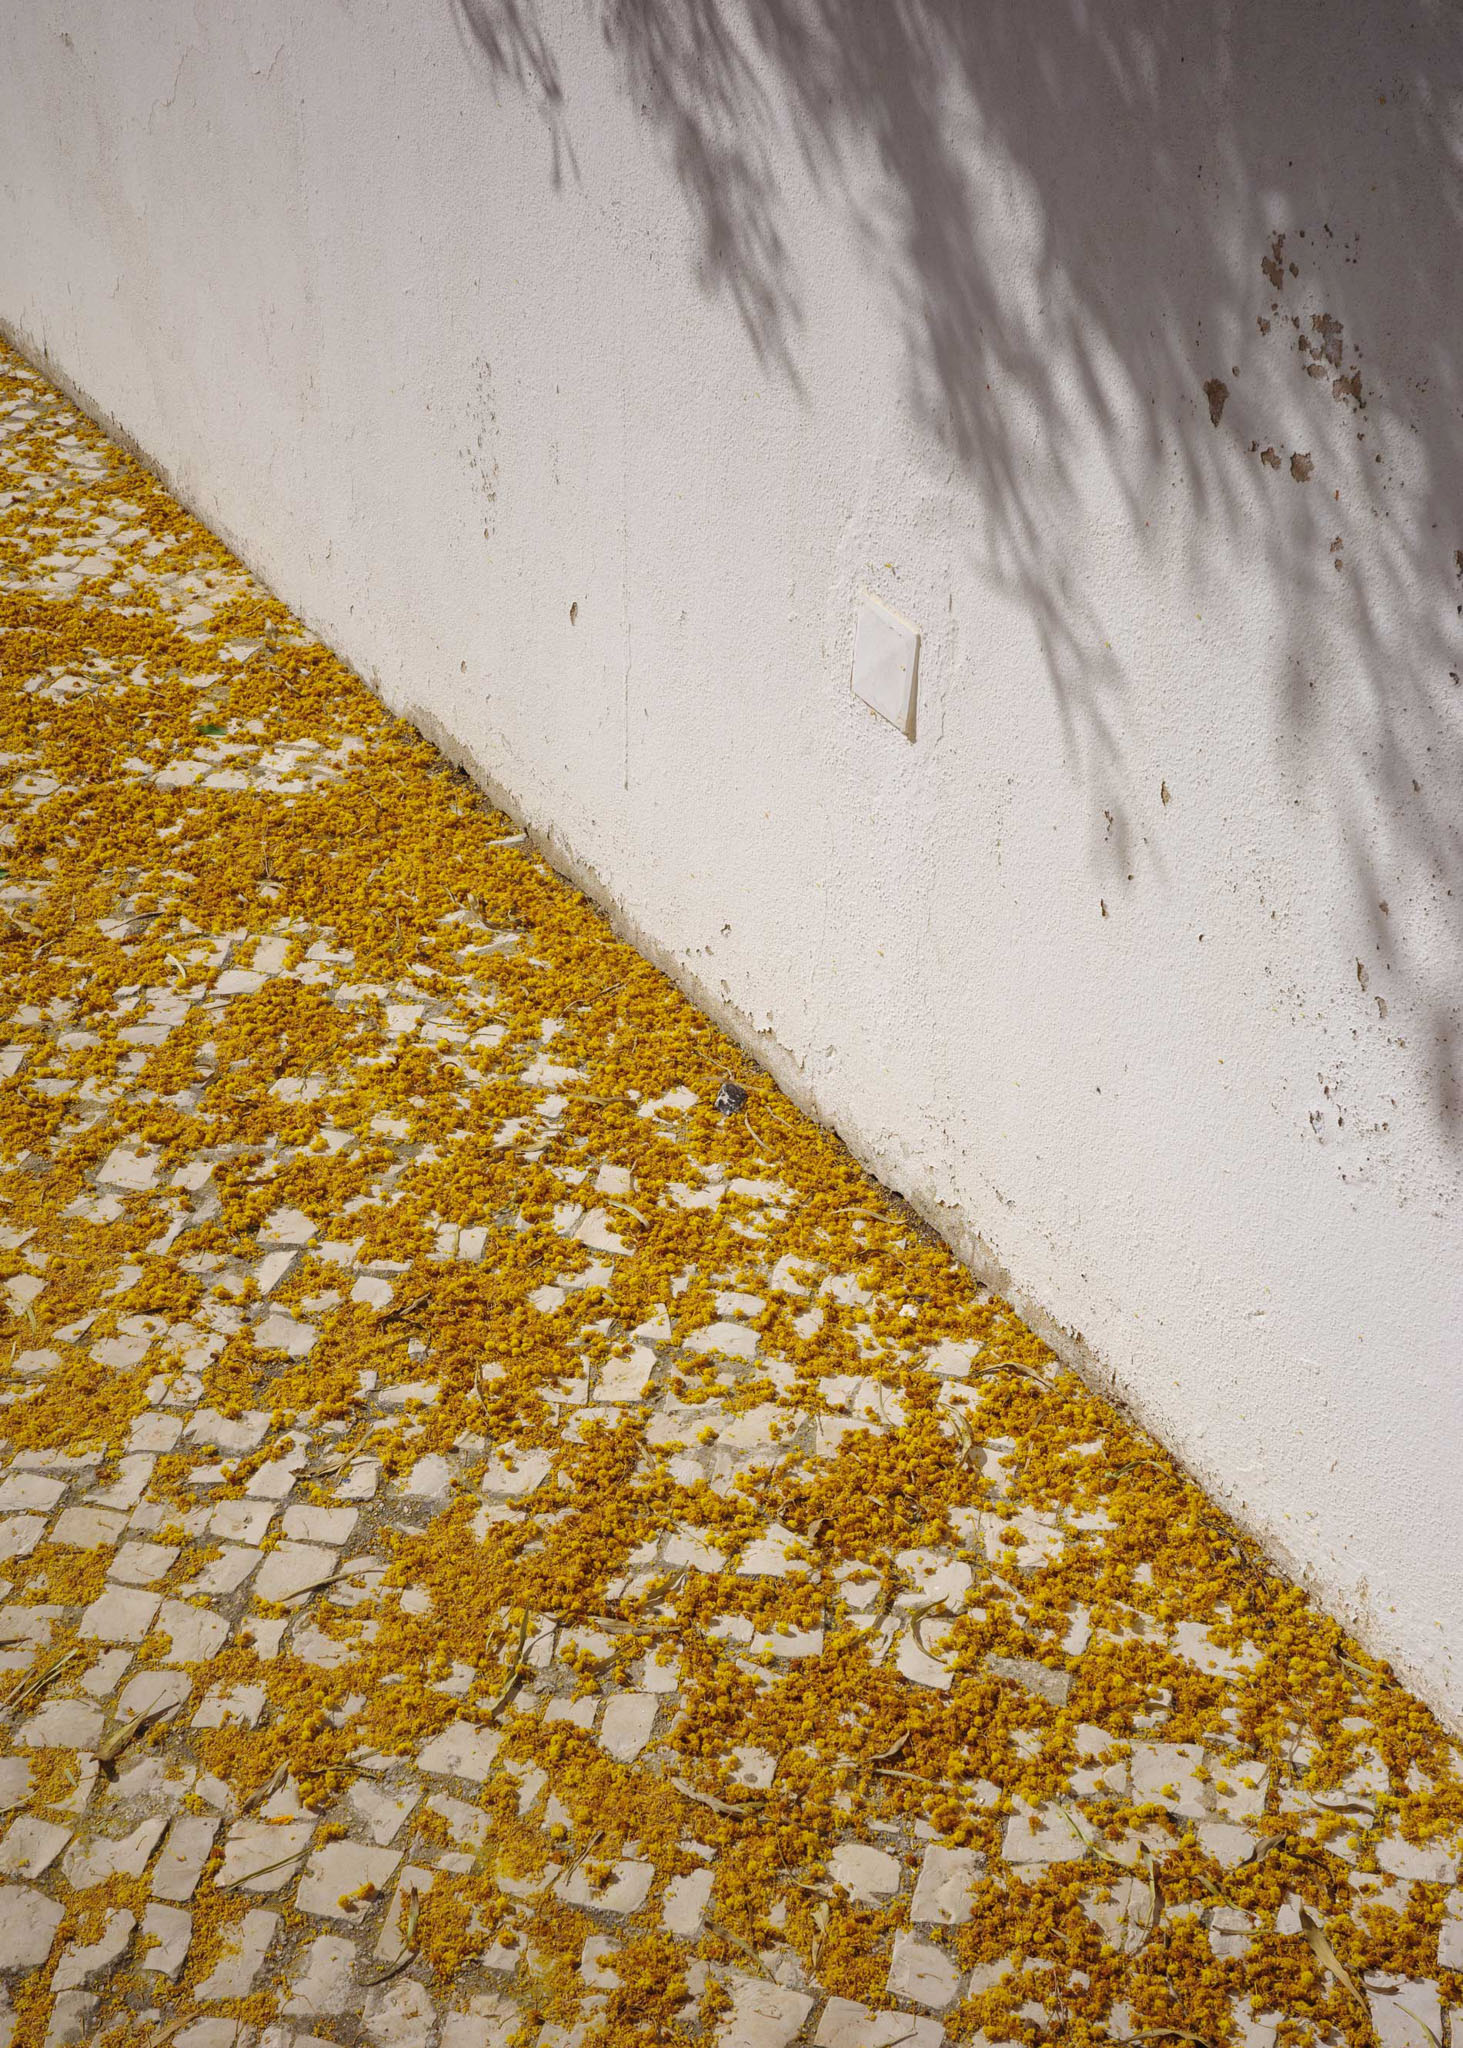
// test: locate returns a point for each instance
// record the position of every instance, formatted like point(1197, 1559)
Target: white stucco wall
point(571, 368)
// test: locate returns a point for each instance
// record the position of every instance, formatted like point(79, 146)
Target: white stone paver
point(1041, 1835)
point(28, 1922)
point(763, 2015)
point(244, 1947)
point(31, 1846)
point(628, 1719)
point(325, 1979)
point(167, 1934)
point(80, 1962)
point(922, 1973)
point(847, 2024)
point(1404, 2013)
point(866, 1874)
point(337, 1877)
point(100, 1857)
point(122, 1614)
point(942, 1889)
point(684, 1907)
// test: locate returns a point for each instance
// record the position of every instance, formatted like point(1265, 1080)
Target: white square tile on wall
point(885, 662)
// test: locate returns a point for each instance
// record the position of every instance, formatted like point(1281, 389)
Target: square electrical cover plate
point(885, 662)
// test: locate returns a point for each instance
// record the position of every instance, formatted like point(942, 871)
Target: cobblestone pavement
point(506, 1538)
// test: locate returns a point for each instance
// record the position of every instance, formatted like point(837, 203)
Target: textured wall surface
point(572, 369)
